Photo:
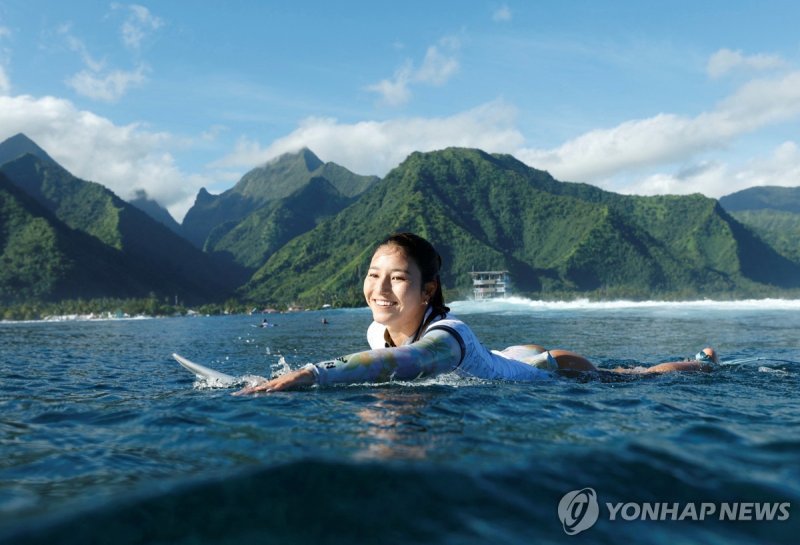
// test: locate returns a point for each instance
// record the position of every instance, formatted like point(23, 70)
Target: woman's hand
point(294, 379)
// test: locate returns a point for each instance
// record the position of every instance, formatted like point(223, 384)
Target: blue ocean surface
point(105, 439)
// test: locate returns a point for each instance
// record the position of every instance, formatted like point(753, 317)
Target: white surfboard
point(203, 372)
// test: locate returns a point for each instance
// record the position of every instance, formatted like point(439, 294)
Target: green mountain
point(19, 145)
point(785, 199)
point(155, 211)
point(41, 258)
point(161, 260)
point(493, 212)
point(276, 180)
point(260, 234)
point(772, 212)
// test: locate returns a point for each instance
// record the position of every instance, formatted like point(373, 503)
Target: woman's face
point(394, 291)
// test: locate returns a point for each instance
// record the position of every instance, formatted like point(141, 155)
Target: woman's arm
point(437, 352)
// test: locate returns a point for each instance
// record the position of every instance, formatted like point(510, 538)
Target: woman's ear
point(430, 289)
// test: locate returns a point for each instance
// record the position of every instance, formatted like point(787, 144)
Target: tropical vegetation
point(298, 231)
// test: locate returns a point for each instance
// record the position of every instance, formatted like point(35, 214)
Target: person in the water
point(413, 335)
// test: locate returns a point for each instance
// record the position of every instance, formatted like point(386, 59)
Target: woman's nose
point(385, 284)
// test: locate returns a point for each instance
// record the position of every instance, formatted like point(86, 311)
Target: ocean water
point(105, 439)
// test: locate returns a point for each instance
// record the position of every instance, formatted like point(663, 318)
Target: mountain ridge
point(152, 208)
point(19, 145)
point(275, 180)
point(487, 211)
point(163, 261)
point(312, 246)
point(772, 212)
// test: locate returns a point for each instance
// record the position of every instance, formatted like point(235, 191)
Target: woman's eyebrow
point(392, 270)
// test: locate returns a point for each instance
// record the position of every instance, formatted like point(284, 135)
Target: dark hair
point(429, 262)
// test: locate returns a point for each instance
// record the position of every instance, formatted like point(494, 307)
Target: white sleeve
point(478, 361)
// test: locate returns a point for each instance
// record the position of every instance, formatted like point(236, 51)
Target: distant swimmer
point(705, 360)
point(324, 321)
point(265, 323)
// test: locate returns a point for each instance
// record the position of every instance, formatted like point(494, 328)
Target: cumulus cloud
point(123, 158)
point(717, 179)
point(395, 91)
point(109, 87)
point(725, 60)
point(502, 14)
point(375, 147)
point(138, 25)
point(438, 66)
point(664, 138)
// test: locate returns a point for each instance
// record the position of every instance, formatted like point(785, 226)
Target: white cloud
point(77, 45)
point(139, 23)
point(439, 65)
point(375, 147)
point(716, 179)
point(213, 133)
point(395, 91)
point(109, 87)
point(97, 81)
point(502, 14)
point(122, 158)
point(725, 60)
point(665, 138)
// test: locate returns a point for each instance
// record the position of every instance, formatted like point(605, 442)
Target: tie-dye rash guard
point(447, 345)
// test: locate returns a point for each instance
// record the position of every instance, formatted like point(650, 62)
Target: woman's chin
point(381, 315)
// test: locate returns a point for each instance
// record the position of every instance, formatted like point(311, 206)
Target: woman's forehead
point(390, 253)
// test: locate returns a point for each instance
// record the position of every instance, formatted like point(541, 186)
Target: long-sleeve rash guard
point(446, 345)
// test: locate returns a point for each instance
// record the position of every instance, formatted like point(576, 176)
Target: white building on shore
point(490, 284)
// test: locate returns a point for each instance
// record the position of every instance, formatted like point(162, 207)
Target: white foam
point(521, 304)
point(770, 370)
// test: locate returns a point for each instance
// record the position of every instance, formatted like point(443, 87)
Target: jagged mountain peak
point(302, 156)
point(269, 183)
point(19, 145)
point(279, 177)
point(153, 208)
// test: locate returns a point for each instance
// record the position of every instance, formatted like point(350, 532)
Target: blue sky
point(635, 97)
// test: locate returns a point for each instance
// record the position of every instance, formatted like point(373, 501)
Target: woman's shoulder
point(449, 322)
point(445, 319)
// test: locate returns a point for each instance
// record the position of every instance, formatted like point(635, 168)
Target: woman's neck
point(410, 330)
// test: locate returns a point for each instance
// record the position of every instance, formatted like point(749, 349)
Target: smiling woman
point(413, 335)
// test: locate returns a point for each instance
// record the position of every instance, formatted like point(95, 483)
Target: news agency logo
point(579, 510)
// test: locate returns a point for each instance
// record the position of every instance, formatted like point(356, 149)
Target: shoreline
point(471, 306)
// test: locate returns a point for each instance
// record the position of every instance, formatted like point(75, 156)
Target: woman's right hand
point(293, 379)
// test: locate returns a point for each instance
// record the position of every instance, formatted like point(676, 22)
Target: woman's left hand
point(293, 379)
